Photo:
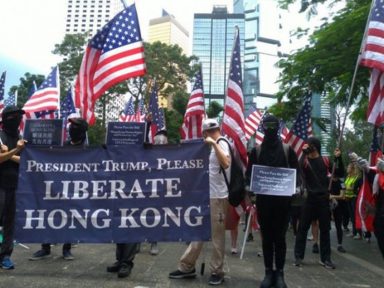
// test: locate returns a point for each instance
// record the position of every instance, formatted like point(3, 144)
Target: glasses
point(270, 125)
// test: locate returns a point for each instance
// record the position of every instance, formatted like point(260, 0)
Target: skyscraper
point(90, 15)
point(168, 30)
point(213, 36)
point(263, 33)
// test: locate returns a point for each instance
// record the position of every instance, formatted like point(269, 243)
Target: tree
point(328, 62)
point(214, 109)
point(25, 87)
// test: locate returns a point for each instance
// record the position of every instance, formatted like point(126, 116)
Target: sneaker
point(249, 237)
point(327, 264)
point(315, 248)
point(154, 250)
point(350, 234)
point(39, 255)
point(357, 237)
point(124, 271)
point(114, 267)
point(234, 251)
point(341, 249)
point(215, 279)
point(7, 263)
point(298, 262)
point(346, 229)
point(67, 255)
point(182, 275)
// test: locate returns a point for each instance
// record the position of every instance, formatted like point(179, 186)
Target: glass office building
point(262, 28)
point(213, 36)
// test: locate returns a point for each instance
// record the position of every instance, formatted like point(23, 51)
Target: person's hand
point(337, 153)
point(3, 148)
point(362, 163)
point(353, 156)
point(380, 165)
point(209, 140)
point(20, 144)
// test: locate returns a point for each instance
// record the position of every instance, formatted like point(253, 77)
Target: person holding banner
point(9, 173)
point(219, 157)
point(316, 170)
point(273, 211)
point(78, 134)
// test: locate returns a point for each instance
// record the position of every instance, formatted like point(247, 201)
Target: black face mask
point(270, 133)
point(76, 133)
point(11, 124)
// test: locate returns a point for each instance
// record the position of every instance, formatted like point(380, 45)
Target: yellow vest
point(349, 184)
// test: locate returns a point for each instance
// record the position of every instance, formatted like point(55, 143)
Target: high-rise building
point(168, 30)
point(213, 36)
point(321, 108)
point(263, 33)
point(90, 15)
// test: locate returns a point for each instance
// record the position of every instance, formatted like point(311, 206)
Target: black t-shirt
point(9, 170)
point(315, 174)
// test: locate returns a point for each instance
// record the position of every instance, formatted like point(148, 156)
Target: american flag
point(114, 54)
point(373, 53)
point(67, 108)
point(128, 114)
point(140, 111)
point(158, 119)
point(47, 97)
point(373, 57)
point(233, 118)
point(252, 122)
point(195, 113)
point(2, 83)
point(11, 100)
point(299, 132)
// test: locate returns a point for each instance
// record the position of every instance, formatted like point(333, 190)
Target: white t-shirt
point(217, 186)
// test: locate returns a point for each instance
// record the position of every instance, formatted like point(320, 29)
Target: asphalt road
point(362, 266)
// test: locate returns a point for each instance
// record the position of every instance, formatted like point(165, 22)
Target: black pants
point(125, 253)
point(273, 216)
point(338, 214)
point(47, 247)
point(314, 210)
point(9, 210)
point(379, 230)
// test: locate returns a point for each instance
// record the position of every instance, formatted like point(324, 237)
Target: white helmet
point(209, 124)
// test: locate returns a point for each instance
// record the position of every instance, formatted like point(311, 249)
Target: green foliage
point(174, 120)
point(214, 109)
point(328, 63)
point(25, 87)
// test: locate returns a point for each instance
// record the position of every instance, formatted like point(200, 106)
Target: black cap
point(313, 141)
point(162, 132)
point(79, 122)
point(12, 109)
point(271, 118)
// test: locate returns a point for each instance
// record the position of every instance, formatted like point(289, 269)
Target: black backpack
point(236, 185)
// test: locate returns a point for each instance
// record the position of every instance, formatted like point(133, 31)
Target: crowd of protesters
point(324, 192)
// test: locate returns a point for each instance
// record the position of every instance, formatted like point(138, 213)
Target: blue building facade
point(213, 35)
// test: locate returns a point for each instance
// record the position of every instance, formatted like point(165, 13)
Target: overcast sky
point(30, 28)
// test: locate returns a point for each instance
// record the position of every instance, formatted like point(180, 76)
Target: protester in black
point(272, 211)
point(338, 206)
point(78, 135)
point(9, 173)
point(316, 171)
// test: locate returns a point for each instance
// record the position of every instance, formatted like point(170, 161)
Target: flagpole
point(354, 76)
point(351, 90)
point(16, 94)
